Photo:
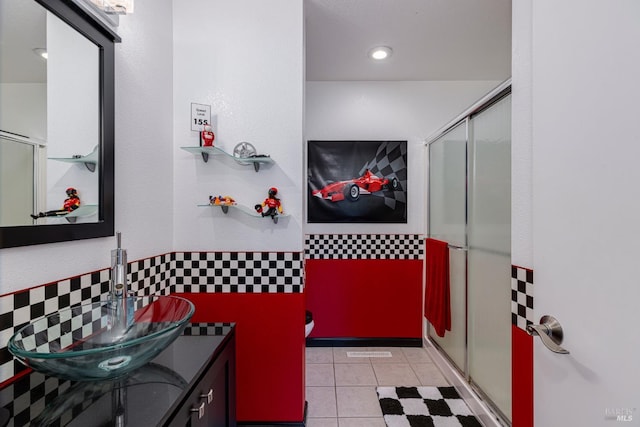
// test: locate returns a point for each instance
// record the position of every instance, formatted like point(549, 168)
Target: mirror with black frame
point(56, 123)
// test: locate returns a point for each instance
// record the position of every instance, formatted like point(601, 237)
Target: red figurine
point(272, 203)
point(207, 136)
point(71, 203)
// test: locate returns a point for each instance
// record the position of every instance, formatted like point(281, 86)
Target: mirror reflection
point(49, 119)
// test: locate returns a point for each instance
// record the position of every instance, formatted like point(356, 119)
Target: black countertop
point(143, 398)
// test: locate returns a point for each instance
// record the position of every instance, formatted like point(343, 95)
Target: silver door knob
point(550, 332)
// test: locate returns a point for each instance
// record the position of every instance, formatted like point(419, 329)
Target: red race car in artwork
point(353, 188)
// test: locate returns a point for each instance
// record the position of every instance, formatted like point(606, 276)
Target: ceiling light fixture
point(41, 52)
point(380, 52)
point(115, 7)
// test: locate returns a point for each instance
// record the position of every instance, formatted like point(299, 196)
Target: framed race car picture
point(357, 181)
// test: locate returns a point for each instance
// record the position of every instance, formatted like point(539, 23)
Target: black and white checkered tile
point(267, 272)
point(151, 276)
point(79, 322)
point(21, 307)
point(391, 162)
point(364, 246)
point(28, 396)
point(521, 297)
point(424, 406)
point(238, 272)
point(208, 329)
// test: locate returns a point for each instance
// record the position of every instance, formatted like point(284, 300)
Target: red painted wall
point(521, 378)
point(270, 352)
point(361, 298)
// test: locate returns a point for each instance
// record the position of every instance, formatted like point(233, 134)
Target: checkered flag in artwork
point(424, 407)
point(391, 163)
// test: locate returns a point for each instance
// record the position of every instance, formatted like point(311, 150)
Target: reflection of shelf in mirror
point(246, 210)
point(90, 160)
point(254, 160)
point(82, 211)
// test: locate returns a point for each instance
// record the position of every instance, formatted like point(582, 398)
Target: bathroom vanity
point(192, 382)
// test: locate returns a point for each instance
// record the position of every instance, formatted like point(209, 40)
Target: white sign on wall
point(200, 116)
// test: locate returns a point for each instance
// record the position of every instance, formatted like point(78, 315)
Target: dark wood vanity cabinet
point(211, 400)
point(190, 383)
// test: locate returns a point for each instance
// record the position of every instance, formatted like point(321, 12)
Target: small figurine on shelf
point(221, 200)
point(71, 203)
point(207, 136)
point(272, 204)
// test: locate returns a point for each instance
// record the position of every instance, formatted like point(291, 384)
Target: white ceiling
point(431, 39)
point(22, 28)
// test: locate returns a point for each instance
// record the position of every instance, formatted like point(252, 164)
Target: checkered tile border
point(238, 272)
point(81, 322)
point(28, 396)
point(364, 246)
point(250, 272)
point(208, 329)
point(151, 276)
point(521, 297)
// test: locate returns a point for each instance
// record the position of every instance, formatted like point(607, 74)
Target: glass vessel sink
point(101, 340)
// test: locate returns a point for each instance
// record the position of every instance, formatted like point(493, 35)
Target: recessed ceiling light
point(40, 51)
point(380, 52)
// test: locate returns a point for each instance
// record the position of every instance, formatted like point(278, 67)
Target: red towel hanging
point(437, 299)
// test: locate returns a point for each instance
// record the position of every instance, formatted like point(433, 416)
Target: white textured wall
point(24, 109)
point(143, 160)
point(245, 59)
point(144, 182)
point(521, 136)
point(408, 111)
point(73, 94)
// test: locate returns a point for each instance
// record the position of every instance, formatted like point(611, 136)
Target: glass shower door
point(17, 182)
point(470, 208)
point(489, 255)
point(447, 222)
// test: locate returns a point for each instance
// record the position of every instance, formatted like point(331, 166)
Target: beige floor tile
point(358, 402)
point(354, 374)
point(361, 422)
point(340, 355)
point(321, 402)
point(319, 355)
point(395, 374)
point(320, 374)
point(322, 422)
point(429, 374)
point(416, 355)
point(397, 356)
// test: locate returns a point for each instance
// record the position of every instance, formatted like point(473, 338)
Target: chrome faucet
point(118, 270)
point(121, 303)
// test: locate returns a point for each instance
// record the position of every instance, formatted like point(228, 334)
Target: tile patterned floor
point(341, 390)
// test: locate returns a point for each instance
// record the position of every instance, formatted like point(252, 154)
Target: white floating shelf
point(244, 209)
point(90, 160)
point(254, 160)
point(82, 211)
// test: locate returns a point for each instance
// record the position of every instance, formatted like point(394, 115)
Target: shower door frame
point(497, 94)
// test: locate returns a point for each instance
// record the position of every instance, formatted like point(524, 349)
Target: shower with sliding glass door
point(469, 185)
